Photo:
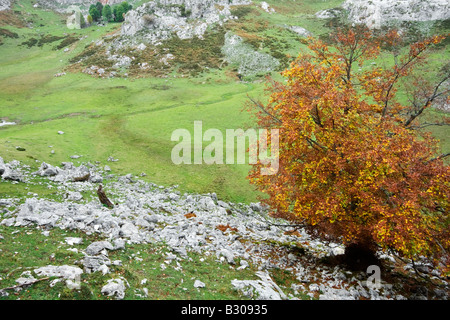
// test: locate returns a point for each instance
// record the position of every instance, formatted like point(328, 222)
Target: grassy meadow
point(129, 118)
point(132, 118)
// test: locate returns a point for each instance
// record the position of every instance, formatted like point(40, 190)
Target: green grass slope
point(132, 118)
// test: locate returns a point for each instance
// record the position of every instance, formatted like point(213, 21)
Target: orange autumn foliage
point(351, 166)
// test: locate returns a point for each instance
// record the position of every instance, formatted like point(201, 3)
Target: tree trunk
point(360, 255)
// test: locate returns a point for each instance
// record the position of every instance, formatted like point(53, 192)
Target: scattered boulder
point(46, 170)
point(95, 263)
point(65, 272)
point(229, 256)
point(302, 32)
point(73, 240)
point(96, 247)
point(264, 289)
point(2, 166)
point(11, 174)
point(5, 5)
point(74, 196)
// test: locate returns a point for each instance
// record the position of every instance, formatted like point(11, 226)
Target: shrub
point(107, 13)
point(120, 10)
point(94, 13)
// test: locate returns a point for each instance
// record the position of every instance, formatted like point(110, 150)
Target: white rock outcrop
point(302, 32)
point(5, 4)
point(158, 20)
point(267, 8)
point(249, 61)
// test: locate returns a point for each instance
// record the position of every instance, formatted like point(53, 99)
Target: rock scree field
point(97, 105)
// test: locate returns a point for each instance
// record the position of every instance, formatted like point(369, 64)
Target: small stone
point(10, 174)
point(292, 257)
point(73, 285)
point(199, 284)
point(74, 196)
point(73, 240)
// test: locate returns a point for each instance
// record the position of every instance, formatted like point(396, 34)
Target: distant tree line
point(105, 13)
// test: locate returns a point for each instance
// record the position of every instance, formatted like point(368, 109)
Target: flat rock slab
point(96, 247)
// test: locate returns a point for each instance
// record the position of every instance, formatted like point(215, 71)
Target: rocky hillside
point(242, 236)
point(155, 36)
point(156, 21)
point(380, 13)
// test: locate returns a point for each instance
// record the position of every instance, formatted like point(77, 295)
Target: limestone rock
point(264, 289)
point(73, 240)
point(11, 174)
point(267, 8)
point(379, 13)
point(95, 263)
point(302, 32)
point(65, 272)
point(5, 4)
point(155, 21)
point(74, 196)
point(96, 247)
point(249, 61)
point(114, 288)
point(199, 284)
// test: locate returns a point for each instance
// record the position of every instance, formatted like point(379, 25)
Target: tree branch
point(397, 75)
point(442, 156)
point(426, 124)
point(429, 100)
point(263, 109)
point(25, 284)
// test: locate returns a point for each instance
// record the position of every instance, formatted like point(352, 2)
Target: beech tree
point(355, 164)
